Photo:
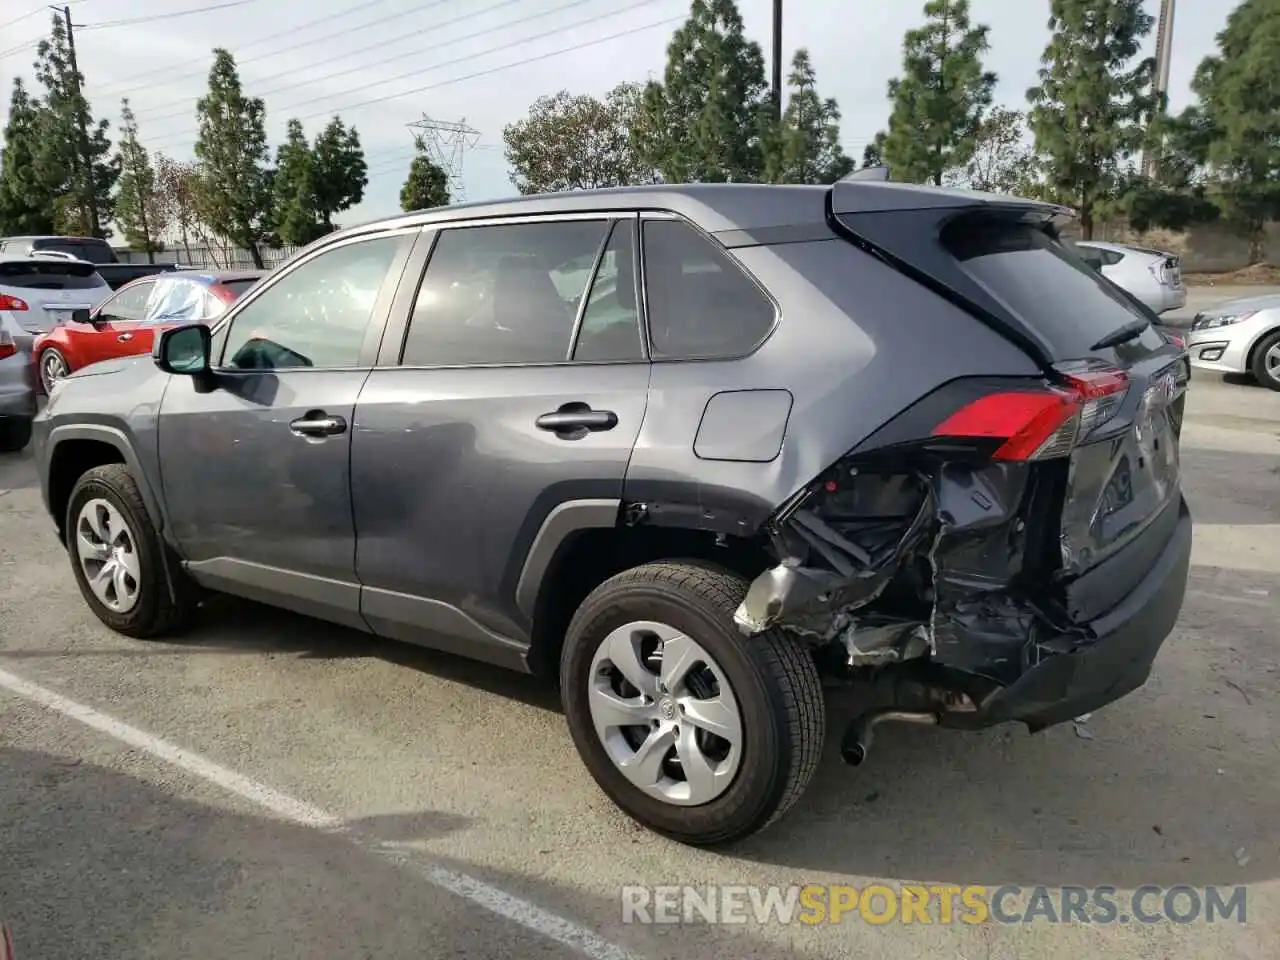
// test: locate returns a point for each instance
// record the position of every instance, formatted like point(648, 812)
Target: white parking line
point(482, 894)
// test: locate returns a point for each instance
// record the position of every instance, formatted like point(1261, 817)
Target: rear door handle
point(317, 423)
point(577, 421)
point(124, 337)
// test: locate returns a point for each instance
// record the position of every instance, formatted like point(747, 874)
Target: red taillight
point(1042, 423)
point(12, 303)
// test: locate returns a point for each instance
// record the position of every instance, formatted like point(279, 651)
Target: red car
point(125, 324)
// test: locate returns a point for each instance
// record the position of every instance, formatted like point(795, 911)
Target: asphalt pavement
point(271, 786)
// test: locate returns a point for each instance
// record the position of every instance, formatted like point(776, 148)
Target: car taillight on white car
point(12, 304)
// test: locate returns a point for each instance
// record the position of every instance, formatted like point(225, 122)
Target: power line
point(355, 8)
point(164, 16)
point(321, 39)
point(416, 52)
point(31, 13)
point(470, 57)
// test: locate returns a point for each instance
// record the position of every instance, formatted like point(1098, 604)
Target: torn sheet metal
point(854, 556)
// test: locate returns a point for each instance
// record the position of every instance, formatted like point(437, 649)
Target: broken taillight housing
point(1042, 423)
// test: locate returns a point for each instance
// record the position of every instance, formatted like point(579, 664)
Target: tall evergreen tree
point(234, 196)
point(939, 100)
point(1089, 110)
point(426, 186)
point(82, 161)
point(1238, 119)
point(340, 171)
point(139, 207)
point(806, 147)
point(297, 218)
point(710, 109)
point(27, 194)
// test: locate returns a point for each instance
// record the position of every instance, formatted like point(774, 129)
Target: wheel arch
point(77, 448)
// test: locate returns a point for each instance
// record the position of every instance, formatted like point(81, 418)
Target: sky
point(384, 64)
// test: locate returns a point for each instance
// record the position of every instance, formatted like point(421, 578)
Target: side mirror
point(184, 350)
point(81, 316)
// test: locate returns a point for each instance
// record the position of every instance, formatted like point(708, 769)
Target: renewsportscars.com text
point(940, 903)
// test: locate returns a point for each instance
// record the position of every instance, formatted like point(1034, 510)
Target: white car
point(36, 294)
point(1153, 277)
point(1239, 336)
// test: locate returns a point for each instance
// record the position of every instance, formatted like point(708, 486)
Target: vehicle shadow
point(98, 863)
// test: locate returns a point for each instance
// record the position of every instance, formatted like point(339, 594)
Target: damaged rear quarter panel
point(857, 343)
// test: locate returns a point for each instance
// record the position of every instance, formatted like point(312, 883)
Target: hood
point(1230, 308)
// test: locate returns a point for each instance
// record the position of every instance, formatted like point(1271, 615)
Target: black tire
point(15, 434)
point(1268, 378)
point(44, 359)
point(774, 679)
point(158, 611)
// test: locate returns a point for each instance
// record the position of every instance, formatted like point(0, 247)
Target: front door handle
point(124, 337)
point(317, 423)
point(575, 420)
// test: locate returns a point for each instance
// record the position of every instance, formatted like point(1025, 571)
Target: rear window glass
point(49, 275)
point(95, 251)
point(238, 287)
point(1041, 281)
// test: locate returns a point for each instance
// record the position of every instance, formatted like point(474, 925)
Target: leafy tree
point(297, 217)
point(178, 185)
point(340, 171)
point(426, 186)
point(27, 195)
point(1238, 120)
point(570, 142)
point(139, 208)
point(82, 161)
point(873, 152)
point(710, 115)
point(1089, 110)
point(1002, 160)
point(234, 187)
point(939, 100)
point(806, 146)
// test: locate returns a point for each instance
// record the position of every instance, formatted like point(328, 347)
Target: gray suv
point(700, 452)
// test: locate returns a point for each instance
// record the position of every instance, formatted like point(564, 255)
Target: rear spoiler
point(901, 224)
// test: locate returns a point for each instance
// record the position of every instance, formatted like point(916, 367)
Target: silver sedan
point(1239, 336)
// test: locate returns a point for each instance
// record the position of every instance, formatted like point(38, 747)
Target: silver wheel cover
point(665, 713)
point(108, 554)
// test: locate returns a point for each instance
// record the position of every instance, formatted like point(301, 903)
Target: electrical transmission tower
point(1160, 85)
point(446, 144)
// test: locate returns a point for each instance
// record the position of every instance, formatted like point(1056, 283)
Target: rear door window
point(50, 275)
point(1042, 282)
point(701, 305)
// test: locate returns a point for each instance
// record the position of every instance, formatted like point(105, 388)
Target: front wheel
point(695, 731)
point(1266, 361)
point(53, 367)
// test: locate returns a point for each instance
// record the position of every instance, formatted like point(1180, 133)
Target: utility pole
point(85, 173)
point(777, 59)
point(1160, 85)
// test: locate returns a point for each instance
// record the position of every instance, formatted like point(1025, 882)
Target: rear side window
point(504, 294)
point(95, 251)
point(238, 287)
point(1040, 281)
point(701, 305)
point(175, 301)
point(50, 275)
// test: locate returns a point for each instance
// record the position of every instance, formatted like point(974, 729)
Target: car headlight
point(1210, 323)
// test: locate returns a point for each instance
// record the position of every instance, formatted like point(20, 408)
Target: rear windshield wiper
point(1124, 334)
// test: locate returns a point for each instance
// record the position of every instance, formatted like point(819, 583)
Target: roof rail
point(880, 173)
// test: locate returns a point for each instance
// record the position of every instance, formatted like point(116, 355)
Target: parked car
point(92, 249)
point(35, 295)
point(1152, 276)
point(1239, 336)
point(127, 322)
point(774, 435)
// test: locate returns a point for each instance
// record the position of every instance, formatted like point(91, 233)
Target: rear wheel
point(53, 367)
point(1266, 361)
point(694, 730)
point(119, 559)
point(15, 434)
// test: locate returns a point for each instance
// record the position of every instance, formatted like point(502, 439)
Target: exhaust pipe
point(856, 742)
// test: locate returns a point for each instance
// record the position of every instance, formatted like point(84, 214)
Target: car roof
point(206, 278)
point(26, 258)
